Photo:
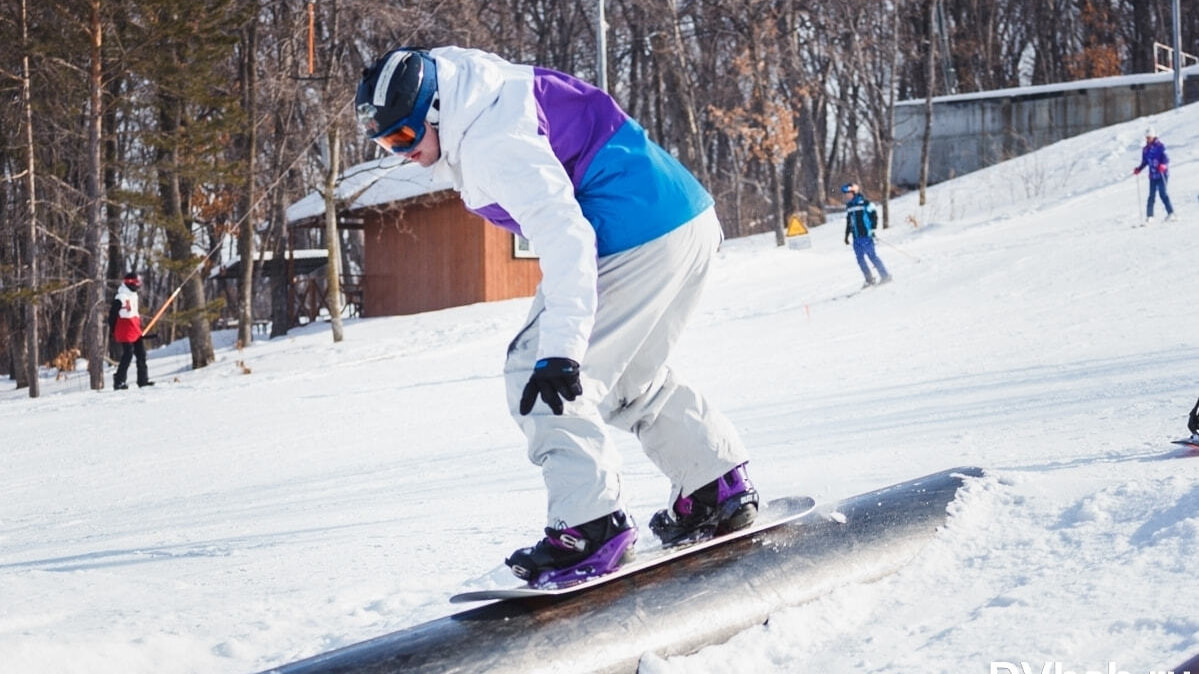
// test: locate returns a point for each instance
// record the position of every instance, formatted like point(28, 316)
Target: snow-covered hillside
point(226, 521)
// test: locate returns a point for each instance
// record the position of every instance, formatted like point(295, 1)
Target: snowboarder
point(1154, 156)
point(860, 220)
point(126, 324)
point(625, 235)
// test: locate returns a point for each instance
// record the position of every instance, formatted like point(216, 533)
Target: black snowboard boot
point(564, 549)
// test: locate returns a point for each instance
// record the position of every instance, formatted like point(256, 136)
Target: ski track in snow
point(984, 574)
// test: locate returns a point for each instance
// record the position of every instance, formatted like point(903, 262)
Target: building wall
point(504, 274)
point(433, 256)
point(975, 131)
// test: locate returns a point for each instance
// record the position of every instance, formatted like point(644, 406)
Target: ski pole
point(1137, 180)
point(182, 283)
point(876, 238)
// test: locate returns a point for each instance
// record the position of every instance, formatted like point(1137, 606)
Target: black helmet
point(394, 98)
point(133, 280)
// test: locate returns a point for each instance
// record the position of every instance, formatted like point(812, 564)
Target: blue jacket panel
point(860, 217)
point(634, 191)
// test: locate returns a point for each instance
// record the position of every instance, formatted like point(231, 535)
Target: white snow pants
point(646, 296)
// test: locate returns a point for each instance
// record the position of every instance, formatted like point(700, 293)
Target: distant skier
point(860, 221)
point(125, 322)
point(1154, 156)
point(625, 235)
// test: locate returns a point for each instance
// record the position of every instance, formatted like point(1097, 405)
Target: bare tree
point(926, 141)
point(332, 237)
point(246, 146)
point(31, 243)
point(887, 130)
point(93, 343)
point(333, 105)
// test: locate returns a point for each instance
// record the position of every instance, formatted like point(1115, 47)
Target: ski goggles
point(400, 137)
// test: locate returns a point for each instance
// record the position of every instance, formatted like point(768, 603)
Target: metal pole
point(601, 45)
point(897, 248)
point(1177, 56)
point(171, 299)
point(1140, 203)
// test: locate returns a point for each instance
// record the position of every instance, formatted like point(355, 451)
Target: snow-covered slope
point(224, 521)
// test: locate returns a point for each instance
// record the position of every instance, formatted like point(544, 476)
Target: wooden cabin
point(422, 250)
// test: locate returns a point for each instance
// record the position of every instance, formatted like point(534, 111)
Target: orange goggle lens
point(400, 140)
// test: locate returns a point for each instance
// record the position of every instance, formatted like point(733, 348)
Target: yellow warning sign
point(795, 226)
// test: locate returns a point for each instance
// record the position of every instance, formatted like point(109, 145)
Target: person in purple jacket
point(625, 236)
point(1153, 155)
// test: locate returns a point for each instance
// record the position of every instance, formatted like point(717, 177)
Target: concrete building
point(972, 131)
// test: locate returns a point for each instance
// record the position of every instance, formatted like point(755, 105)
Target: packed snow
point(299, 495)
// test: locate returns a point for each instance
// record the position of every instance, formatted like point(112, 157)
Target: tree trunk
point(333, 168)
point(245, 240)
point(1141, 50)
point(889, 143)
point(112, 210)
point(332, 239)
point(780, 215)
point(31, 247)
point(737, 171)
point(811, 141)
point(281, 279)
point(926, 142)
point(93, 336)
point(17, 348)
point(179, 235)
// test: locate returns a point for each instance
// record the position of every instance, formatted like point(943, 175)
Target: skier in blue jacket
point(860, 220)
point(625, 235)
point(1153, 155)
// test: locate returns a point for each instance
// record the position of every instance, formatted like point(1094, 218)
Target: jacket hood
point(469, 82)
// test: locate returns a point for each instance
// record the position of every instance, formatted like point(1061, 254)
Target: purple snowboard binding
point(610, 556)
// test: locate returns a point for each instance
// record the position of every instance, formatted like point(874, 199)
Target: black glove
point(554, 379)
point(1193, 420)
point(847, 240)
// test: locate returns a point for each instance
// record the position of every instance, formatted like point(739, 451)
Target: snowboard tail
point(773, 514)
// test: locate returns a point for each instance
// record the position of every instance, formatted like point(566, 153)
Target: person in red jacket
point(126, 324)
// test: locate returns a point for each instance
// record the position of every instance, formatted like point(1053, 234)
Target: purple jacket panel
point(1154, 156)
point(496, 215)
point(577, 118)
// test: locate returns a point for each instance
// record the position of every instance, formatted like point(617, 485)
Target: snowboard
point(773, 514)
